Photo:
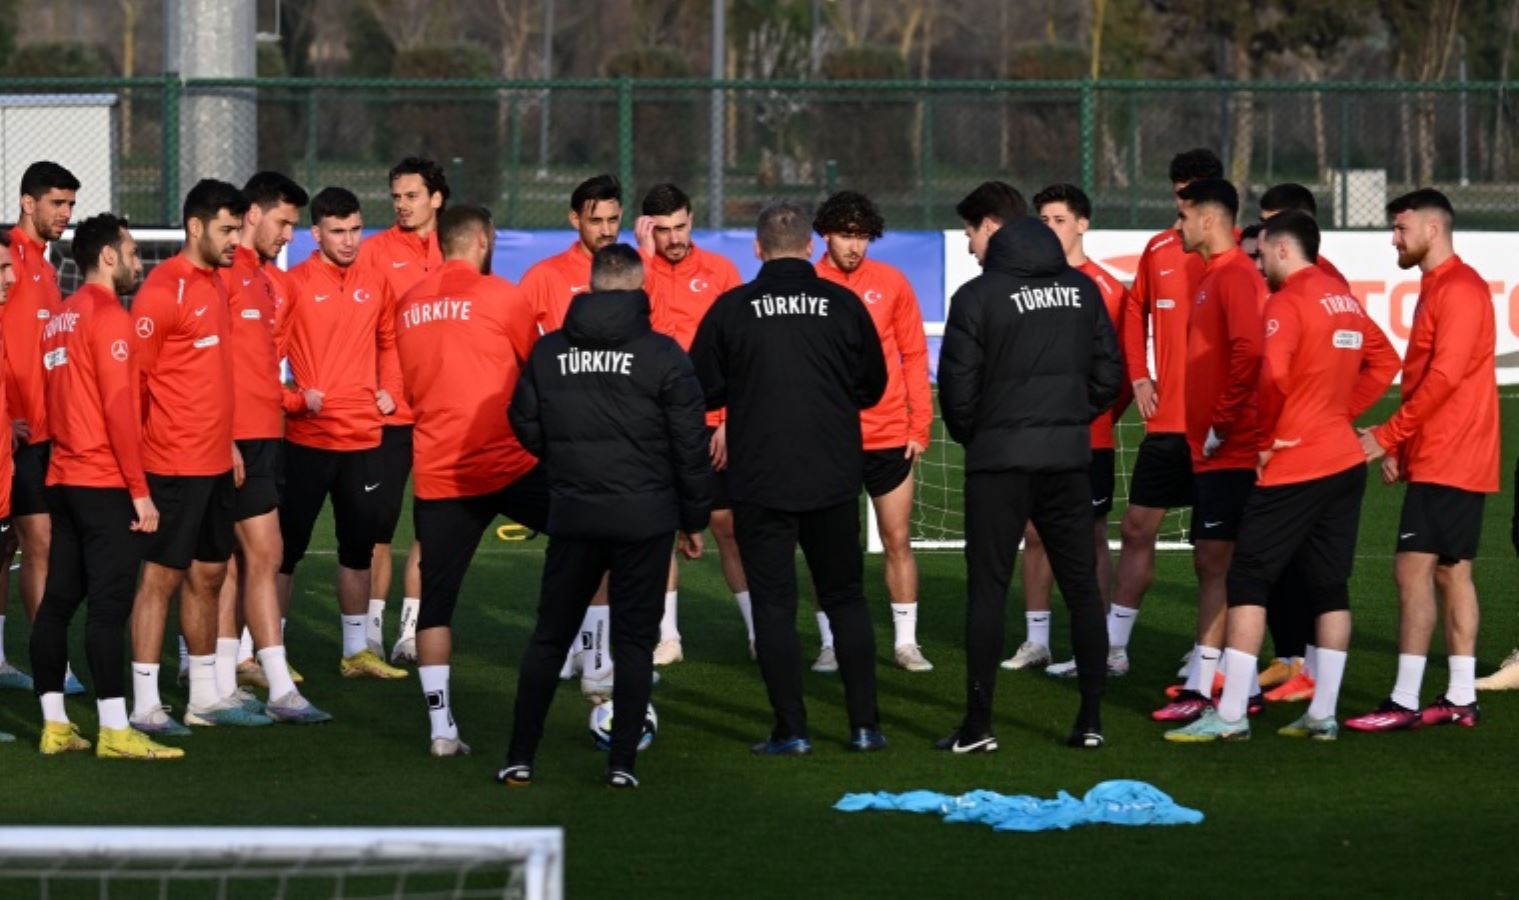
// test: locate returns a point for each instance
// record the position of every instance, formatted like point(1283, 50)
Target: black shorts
point(1162, 476)
point(1442, 520)
point(449, 531)
point(885, 470)
point(353, 479)
point(719, 480)
point(1102, 474)
point(1220, 503)
point(1310, 526)
point(263, 471)
point(29, 478)
point(395, 467)
point(194, 519)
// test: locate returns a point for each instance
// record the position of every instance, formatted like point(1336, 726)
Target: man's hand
point(384, 401)
point(313, 398)
point(20, 433)
point(1276, 445)
point(1212, 442)
point(643, 233)
point(239, 472)
point(1370, 445)
point(690, 544)
point(1390, 470)
point(1146, 398)
point(718, 448)
point(147, 515)
point(914, 450)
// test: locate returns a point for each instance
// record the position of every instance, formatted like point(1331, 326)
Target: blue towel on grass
point(1109, 803)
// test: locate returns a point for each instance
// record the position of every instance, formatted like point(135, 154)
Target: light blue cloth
point(1109, 803)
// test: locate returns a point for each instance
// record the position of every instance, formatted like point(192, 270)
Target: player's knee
point(1452, 575)
point(355, 556)
point(434, 612)
point(1135, 530)
point(1330, 598)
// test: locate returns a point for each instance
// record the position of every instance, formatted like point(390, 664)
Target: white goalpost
point(338, 863)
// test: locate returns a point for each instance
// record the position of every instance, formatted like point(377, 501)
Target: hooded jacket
point(614, 411)
point(1029, 358)
point(794, 357)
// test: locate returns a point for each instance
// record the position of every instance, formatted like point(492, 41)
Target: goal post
point(339, 863)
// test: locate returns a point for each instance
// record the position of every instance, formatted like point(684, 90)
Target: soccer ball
point(601, 726)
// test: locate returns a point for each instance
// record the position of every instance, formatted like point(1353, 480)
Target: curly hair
point(849, 212)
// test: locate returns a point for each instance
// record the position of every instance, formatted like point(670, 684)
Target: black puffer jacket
point(615, 412)
point(1029, 357)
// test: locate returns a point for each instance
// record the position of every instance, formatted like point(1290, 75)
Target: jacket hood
point(1025, 248)
point(607, 318)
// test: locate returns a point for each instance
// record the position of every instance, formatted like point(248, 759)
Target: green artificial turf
point(1401, 814)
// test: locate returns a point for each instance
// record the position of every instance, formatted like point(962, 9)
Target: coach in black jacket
point(1029, 360)
point(615, 412)
point(794, 358)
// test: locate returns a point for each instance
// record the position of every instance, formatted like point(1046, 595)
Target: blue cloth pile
point(1118, 802)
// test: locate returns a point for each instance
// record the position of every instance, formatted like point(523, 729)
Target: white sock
point(226, 666)
point(277, 670)
point(410, 606)
point(747, 611)
point(1255, 684)
point(144, 689)
point(1310, 660)
point(245, 645)
point(354, 636)
point(1121, 621)
point(668, 630)
point(184, 654)
point(600, 658)
point(904, 621)
point(439, 712)
point(374, 624)
point(1405, 692)
point(1038, 628)
point(1327, 676)
point(1239, 670)
point(52, 707)
point(2, 638)
point(203, 693)
point(113, 713)
point(825, 632)
point(1462, 687)
point(1204, 666)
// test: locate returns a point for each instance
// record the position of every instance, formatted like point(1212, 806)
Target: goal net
point(938, 516)
point(154, 245)
point(296, 863)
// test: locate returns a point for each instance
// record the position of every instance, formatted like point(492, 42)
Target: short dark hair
point(43, 176)
point(456, 223)
point(432, 174)
point(1195, 165)
point(1253, 230)
point(615, 265)
point(1289, 196)
point(1297, 225)
point(1215, 191)
point(1074, 198)
point(334, 202)
point(266, 190)
point(5, 235)
point(991, 200)
point(209, 197)
point(1421, 200)
point(94, 235)
point(849, 212)
point(664, 199)
point(782, 227)
point(595, 189)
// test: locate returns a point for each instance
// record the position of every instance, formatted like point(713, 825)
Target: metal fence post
point(926, 174)
point(625, 134)
point(310, 163)
point(1088, 133)
point(1342, 200)
point(173, 91)
point(514, 181)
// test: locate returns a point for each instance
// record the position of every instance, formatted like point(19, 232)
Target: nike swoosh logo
point(5, 527)
point(320, 297)
point(247, 281)
point(1099, 502)
point(201, 311)
point(1404, 537)
point(370, 487)
point(398, 265)
point(1165, 272)
point(1212, 524)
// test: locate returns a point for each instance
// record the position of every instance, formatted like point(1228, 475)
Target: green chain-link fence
point(917, 147)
